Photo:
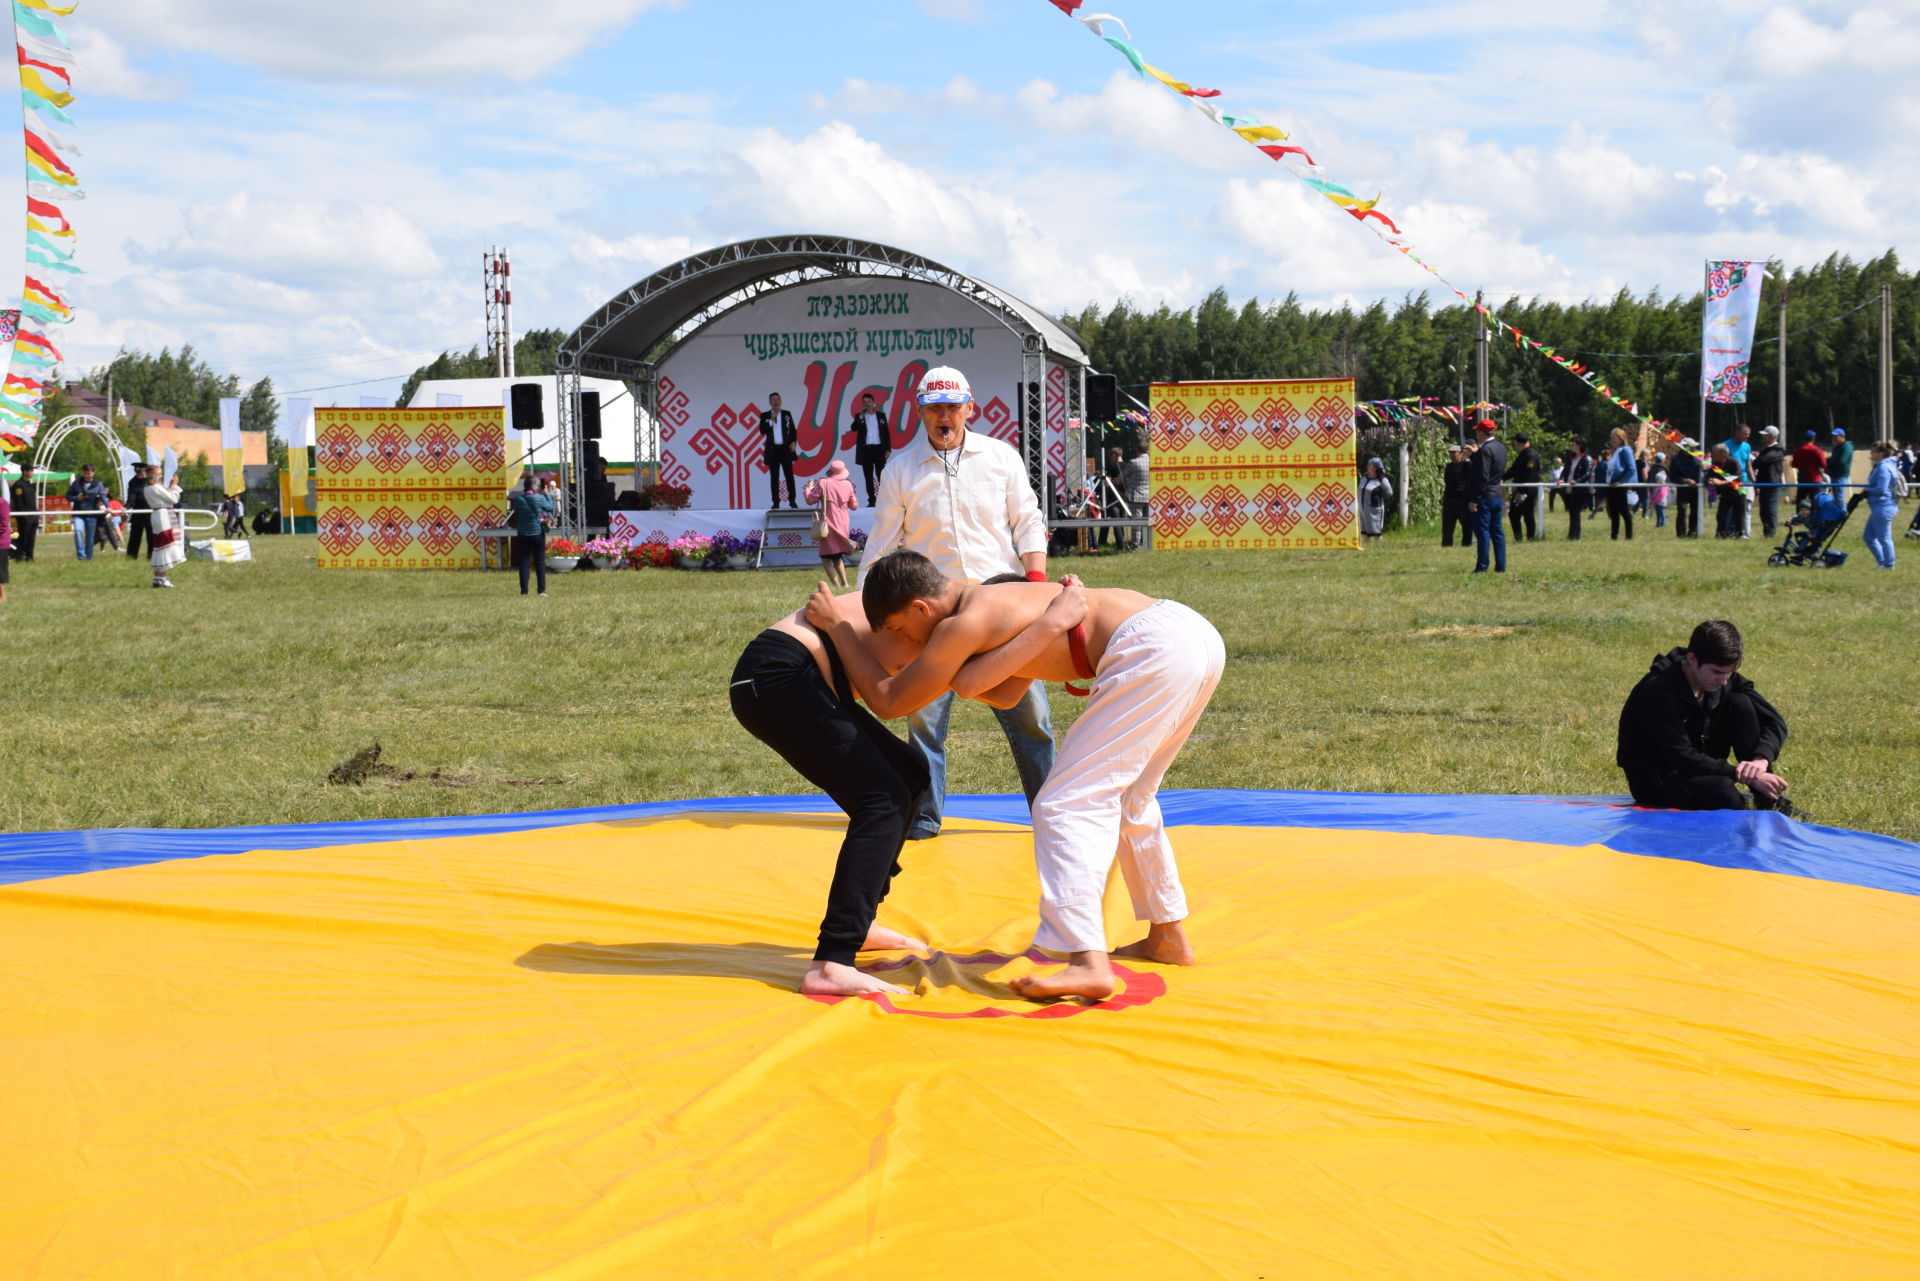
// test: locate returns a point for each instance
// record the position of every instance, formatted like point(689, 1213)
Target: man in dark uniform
point(871, 445)
point(1453, 498)
point(1523, 506)
point(1687, 713)
point(778, 444)
point(139, 523)
point(27, 528)
point(1769, 470)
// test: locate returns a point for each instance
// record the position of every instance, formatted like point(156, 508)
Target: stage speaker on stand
point(1103, 398)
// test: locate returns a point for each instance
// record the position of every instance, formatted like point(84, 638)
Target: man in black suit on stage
point(779, 444)
point(871, 445)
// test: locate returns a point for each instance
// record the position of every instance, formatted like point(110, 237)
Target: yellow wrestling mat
point(576, 1053)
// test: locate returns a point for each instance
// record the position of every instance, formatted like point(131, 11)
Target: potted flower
point(605, 551)
point(725, 552)
point(649, 556)
point(563, 554)
point(690, 550)
point(665, 497)
point(858, 537)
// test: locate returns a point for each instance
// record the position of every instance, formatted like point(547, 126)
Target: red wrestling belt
point(1077, 647)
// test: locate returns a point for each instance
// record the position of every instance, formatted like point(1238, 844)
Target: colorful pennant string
point(46, 87)
point(1271, 141)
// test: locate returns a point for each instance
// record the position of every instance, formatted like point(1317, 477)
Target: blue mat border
point(1755, 841)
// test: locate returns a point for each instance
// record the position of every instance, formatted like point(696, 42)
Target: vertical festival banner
point(46, 90)
point(233, 453)
point(1726, 329)
point(1254, 464)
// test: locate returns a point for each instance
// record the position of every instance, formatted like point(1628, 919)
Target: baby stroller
point(1810, 534)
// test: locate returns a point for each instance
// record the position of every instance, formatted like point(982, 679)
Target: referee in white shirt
point(963, 501)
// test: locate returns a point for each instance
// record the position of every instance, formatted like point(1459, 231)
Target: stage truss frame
point(739, 273)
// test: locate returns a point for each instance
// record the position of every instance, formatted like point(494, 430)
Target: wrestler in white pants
point(1101, 799)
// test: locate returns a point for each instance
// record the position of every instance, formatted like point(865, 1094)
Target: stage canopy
point(1429, 1036)
point(849, 303)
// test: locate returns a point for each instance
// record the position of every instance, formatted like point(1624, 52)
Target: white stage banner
point(1726, 333)
point(822, 345)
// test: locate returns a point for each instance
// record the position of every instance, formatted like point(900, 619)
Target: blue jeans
point(1659, 515)
point(1487, 527)
point(1879, 535)
point(1029, 732)
point(84, 528)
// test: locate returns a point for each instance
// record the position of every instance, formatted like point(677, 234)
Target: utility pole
point(1883, 416)
point(1479, 350)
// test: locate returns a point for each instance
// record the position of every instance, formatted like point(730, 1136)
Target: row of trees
point(533, 354)
point(1646, 348)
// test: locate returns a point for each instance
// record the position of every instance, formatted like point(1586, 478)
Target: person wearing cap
point(962, 500)
point(1685, 470)
point(1489, 531)
point(1739, 455)
point(1840, 464)
point(1769, 469)
point(1809, 463)
point(1453, 498)
point(1376, 491)
point(778, 444)
point(1523, 510)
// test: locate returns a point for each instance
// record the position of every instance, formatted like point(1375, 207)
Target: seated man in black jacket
point(1683, 718)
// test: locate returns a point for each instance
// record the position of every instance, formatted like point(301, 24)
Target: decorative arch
point(48, 443)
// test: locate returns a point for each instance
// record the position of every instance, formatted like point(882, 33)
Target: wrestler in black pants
point(779, 697)
point(1736, 729)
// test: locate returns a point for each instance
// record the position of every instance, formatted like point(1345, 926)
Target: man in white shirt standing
point(871, 445)
point(963, 501)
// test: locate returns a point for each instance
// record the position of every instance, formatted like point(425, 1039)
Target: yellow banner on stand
point(393, 450)
point(368, 529)
point(1254, 464)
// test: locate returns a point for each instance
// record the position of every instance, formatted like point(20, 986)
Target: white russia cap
point(945, 386)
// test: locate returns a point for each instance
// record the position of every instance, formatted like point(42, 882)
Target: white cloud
point(377, 41)
point(103, 68)
point(952, 10)
point(293, 243)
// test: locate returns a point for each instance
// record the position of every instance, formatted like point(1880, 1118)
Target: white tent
point(616, 411)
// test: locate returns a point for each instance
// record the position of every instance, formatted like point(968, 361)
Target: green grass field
point(230, 699)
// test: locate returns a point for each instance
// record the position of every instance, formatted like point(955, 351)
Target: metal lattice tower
point(497, 275)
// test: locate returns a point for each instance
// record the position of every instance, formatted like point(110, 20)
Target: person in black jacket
point(778, 445)
point(1579, 476)
point(27, 528)
point(1453, 498)
point(872, 445)
point(139, 523)
point(1769, 469)
point(1687, 713)
point(1524, 505)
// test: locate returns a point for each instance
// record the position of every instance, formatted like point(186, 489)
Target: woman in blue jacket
point(527, 511)
point(1622, 471)
point(1881, 503)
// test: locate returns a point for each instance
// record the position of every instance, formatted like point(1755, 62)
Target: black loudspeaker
point(527, 413)
point(1103, 398)
point(590, 415)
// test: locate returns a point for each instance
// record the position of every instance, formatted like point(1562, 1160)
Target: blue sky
point(305, 191)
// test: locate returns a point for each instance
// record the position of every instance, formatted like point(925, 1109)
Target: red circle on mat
point(1136, 989)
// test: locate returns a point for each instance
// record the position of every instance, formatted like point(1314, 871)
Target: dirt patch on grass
point(365, 765)
point(1467, 631)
